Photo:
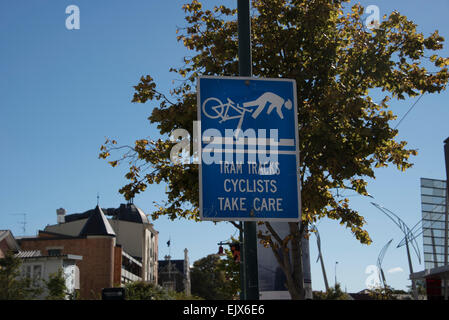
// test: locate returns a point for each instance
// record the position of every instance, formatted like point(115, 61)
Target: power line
point(409, 111)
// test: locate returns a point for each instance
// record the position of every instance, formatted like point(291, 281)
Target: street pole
point(326, 284)
point(242, 265)
point(249, 228)
point(320, 256)
point(336, 262)
point(414, 293)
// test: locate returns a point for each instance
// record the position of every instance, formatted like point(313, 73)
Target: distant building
point(361, 295)
point(39, 267)
point(433, 205)
point(133, 233)
point(114, 251)
point(434, 231)
point(175, 274)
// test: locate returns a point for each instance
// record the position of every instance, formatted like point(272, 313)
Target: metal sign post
point(249, 228)
point(249, 154)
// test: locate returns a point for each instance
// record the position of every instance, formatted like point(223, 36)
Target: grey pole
point(242, 265)
point(414, 293)
point(336, 262)
point(320, 257)
point(249, 228)
point(326, 284)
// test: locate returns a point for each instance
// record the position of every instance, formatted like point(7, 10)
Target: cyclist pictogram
point(214, 108)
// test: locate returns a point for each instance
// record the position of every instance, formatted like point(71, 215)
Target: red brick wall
point(156, 268)
point(117, 265)
point(97, 266)
point(43, 234)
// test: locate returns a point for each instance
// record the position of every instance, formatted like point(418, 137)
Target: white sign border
point(200, 151)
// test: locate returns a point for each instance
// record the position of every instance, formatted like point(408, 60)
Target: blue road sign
point(249, 156)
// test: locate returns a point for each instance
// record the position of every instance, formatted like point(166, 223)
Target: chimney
point(61, 215)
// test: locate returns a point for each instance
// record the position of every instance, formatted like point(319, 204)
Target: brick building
point(114, 251)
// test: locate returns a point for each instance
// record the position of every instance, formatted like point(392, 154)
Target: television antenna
point(23, 223)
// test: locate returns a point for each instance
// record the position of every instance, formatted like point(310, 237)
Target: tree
point(210, 280)
point(231, 269)
point(344, 134)
point(141, 290)
point(382, 293)
point(420, 288)
point(333, 293)
point(57, 289)
point(12, 285)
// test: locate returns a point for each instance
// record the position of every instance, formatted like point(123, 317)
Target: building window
point(37, 273)
point(27, 272)
point(54, 252)
point(33, 272)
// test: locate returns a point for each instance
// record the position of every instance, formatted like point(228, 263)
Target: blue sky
point(62, 92)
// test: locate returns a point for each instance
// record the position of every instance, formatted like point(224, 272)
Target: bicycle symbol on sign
point(214, 108)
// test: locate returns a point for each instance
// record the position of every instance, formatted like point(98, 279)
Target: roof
point(37, 254)
point(3, 234)
point(126, 212)
point(439, 272)
point(97, 225)
point(46, 235)
point(11, 241)
point(360, 296)
point(53, 235)
point(29, 254)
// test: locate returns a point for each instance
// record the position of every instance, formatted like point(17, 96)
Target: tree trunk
point(291, 259)
point(296, 257)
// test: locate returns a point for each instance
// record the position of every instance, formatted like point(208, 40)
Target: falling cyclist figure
point(214, 108)
point(273, 100)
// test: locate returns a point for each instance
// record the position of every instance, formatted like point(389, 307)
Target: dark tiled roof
point(78, 216)
point(126, 212)
point(97, 225)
